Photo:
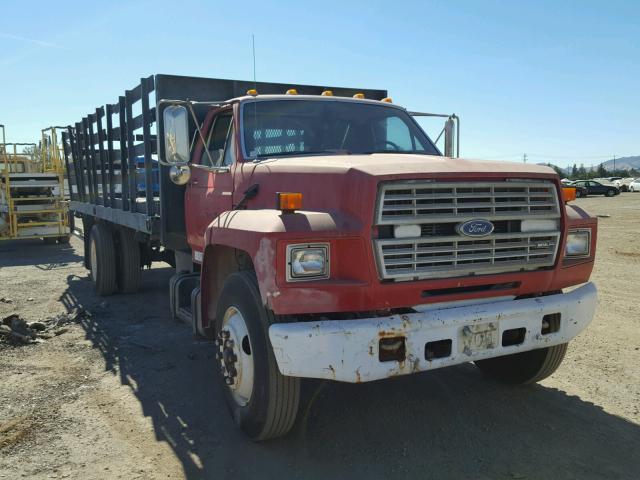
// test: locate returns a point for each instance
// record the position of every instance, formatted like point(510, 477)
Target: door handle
point(194, 182)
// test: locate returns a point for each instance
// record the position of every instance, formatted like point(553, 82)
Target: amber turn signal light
point(288, 202)
point(568, 194)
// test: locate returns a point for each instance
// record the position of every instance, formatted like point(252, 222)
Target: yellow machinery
point(32, 191)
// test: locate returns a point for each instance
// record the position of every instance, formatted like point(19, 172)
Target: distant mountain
point(624, 163)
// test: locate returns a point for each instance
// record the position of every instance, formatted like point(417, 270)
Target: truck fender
point(242, 239)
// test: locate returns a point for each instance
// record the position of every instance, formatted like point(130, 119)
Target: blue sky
point(556, 80)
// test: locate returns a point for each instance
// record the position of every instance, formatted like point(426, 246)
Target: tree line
point(581, 172)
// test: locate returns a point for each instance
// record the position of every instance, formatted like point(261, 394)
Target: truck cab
point(394, 259)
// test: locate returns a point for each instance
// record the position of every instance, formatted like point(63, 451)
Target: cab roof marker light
point(387, 100)
point(327, 93)
point(291, 91)
point(359, 95)
point(253, 92)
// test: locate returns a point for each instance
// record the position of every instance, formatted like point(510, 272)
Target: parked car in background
point(580, 191)
point(596, 188)
point(634, 186)
point(623, 184)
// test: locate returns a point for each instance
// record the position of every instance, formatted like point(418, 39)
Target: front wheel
point(262, 401)
point(525, 367)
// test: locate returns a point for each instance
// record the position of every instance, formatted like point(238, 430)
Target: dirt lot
point(125, 392)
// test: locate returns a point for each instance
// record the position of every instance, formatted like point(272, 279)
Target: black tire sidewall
point(241, 291)
point(128, 262)
point(101, 239)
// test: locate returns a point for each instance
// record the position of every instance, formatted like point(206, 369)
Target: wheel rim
point(235, 356)
point(93, 258)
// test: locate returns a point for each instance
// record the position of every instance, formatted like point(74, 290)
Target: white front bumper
point(348, 350)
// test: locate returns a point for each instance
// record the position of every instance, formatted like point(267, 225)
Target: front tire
point(525, 367)
point(262, 401)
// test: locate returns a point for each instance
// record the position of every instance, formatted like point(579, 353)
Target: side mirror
point(175, 121)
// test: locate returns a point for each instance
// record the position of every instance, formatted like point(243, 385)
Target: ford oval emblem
point(475, 228)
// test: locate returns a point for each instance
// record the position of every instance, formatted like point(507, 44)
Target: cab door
point(210, 189)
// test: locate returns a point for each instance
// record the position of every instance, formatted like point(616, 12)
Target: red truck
point(318, 232)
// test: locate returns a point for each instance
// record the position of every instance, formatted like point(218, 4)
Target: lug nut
point(229, 357)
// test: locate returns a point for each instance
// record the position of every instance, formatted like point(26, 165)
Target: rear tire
point(610, 193)
point(87, 225)
point(129, 267)
point(103, 259)
point(525, 367)
point(272, 405)
point(49, 240)
point(65, 239)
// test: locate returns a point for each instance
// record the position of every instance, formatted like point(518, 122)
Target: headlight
point(307, 262)
point(578, 243)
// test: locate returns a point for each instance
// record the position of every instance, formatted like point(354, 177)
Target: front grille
point(431, 202)
point(438, 208)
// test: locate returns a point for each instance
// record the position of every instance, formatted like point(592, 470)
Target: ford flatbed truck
point(318, 232)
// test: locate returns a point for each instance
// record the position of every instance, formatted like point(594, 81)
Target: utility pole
point(524, 158)
point(614, 165)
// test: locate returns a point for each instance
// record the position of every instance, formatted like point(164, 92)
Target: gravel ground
point(123, 391)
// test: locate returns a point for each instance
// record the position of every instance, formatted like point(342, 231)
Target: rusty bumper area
point(354, 350)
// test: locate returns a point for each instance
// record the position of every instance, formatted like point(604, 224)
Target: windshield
point(274, 128)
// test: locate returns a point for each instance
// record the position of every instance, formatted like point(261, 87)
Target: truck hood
point(404, 165)
point(348, 184)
